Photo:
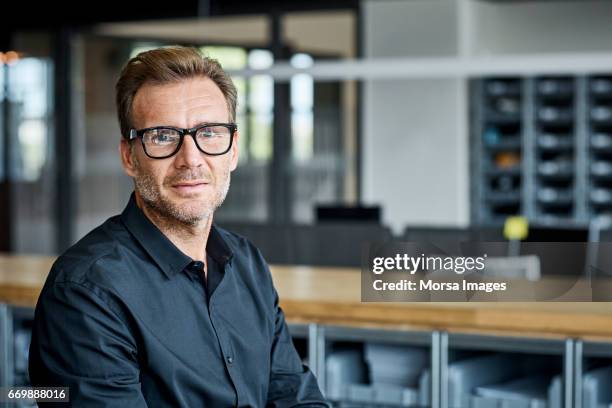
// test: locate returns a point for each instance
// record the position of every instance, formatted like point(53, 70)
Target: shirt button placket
point(223, 340)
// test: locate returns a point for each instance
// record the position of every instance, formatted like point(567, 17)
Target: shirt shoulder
point(84, 263)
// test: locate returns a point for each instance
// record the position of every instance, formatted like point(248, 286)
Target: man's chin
point(190, 214)
point(186, 211)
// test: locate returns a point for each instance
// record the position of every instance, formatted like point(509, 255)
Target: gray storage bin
point(395, 364)
point(343, 368)
point(597, 388)
point(481, 402)
point(528, 392)
point(425, 389)
point(382, 394)
point(346, 374)
point(465, 375)
point(555, 393)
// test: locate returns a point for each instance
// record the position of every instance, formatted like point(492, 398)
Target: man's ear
point(234, 152)
point(127, 161)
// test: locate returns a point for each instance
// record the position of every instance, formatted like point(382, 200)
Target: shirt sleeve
point(292, 384)
point(79, 341)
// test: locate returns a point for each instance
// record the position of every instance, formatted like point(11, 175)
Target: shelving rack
point(542, 148)
point(599, 127)
point(565, 366)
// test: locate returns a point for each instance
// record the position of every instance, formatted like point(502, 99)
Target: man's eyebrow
point(209, 122)
point(178, 127)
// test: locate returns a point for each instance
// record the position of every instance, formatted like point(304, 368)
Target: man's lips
point(189, 186)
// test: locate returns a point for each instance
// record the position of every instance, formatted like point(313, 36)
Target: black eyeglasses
point(160, 142)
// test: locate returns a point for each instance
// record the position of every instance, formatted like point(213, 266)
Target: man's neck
point(189, 239)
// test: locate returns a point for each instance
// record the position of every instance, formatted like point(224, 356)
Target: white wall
point(415, 159)
point(414, 153)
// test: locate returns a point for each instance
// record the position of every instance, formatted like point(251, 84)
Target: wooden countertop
point(333, 296)
point(22, 278)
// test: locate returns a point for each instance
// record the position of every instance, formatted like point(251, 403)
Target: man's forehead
point(193, 98)
point(186, 90)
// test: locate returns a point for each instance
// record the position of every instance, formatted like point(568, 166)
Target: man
point(157, 306)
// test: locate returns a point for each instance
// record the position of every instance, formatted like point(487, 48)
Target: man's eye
point(206, 133)
point(164, 138)
point(213, 132)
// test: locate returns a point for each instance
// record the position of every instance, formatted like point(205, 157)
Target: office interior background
point(359, 120)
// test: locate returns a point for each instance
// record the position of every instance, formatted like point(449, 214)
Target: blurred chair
point(335, 244)
point(343, 213)
point(419, 233)
point(458, 241)
point(513, 267)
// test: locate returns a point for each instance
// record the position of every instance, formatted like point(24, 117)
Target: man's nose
point(189, 155)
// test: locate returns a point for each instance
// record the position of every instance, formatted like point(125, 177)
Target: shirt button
point(230, 359)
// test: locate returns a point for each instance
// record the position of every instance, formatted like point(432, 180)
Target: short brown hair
point(167, 65)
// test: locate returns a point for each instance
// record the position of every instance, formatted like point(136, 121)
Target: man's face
point(189, 186)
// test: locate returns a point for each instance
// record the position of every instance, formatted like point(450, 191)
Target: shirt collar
point(217, 247)
point(166, 255)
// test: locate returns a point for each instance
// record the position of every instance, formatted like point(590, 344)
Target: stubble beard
point(170, 212)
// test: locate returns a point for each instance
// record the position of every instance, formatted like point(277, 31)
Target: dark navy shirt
point(125, 319)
